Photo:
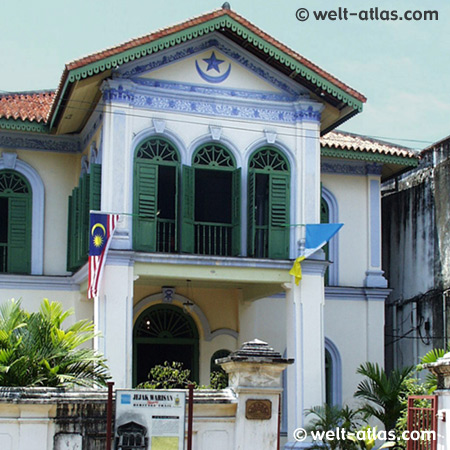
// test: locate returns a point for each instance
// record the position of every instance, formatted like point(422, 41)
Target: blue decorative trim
point(209, 108)
point(199, 47)
point(350, 168)
point(94, 128)
point(40, 143)
point(356, 294)
point(374, 169)
point(223, 92)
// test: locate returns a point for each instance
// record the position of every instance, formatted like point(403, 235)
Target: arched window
point(15, 223)
point(214, 367)
point(164, 333)
point(268, 204)
point(329, 214)
point(325, 218)
point(212, 203)
point(156, 172)
point(131, 436)
point(333, 374)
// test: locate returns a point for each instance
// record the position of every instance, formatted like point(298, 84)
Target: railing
point(166, 239)
point(213, 238)
point(422, 419)
point(3, 258)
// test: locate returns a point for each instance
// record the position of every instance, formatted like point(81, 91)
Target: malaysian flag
point(100, 234)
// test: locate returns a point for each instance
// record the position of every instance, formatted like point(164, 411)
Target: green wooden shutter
point(236, 213)
point(188, 210)
point(70, 235)
point(95, 188)
point(19, 235)
point(279, 216)
point(84, 217)
point(76, 225)
point(251, 208)
point(145, 206)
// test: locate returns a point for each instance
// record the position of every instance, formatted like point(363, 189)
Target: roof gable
point(212, 65)
point(345, 100)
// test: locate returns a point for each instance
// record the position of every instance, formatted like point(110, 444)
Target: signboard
point(150, 419)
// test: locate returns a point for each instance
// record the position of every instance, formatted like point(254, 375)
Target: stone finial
point(441, 368)
point(226, 5)
point(254, 365)
point(255, 351)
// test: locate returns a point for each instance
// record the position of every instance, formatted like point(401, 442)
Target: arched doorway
point(164, 333)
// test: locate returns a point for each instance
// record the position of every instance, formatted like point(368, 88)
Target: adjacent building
point(416, 249)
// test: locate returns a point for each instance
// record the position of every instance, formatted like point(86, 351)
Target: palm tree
point(329, 418)
point(382, 392)
point(35, 350)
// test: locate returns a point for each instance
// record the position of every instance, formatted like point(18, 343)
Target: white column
point(114, 319)
point(374, 274)
point(305, 343)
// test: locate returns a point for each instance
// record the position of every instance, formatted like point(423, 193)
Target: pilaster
point(113, 311)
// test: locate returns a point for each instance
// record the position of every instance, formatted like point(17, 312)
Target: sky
point(402, 67)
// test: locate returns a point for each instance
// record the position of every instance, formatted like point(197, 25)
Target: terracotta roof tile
point(32, 106)
point(356, 142)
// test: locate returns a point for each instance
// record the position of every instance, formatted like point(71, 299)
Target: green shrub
point(35, 349)
point(168, 376)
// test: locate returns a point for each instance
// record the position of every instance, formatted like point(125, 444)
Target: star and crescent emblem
point(213, 65)
point(98, 233)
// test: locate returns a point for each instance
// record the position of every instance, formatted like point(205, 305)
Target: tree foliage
point(382, 392)
point(330, 418)
point(167, 376)
point(35, 349)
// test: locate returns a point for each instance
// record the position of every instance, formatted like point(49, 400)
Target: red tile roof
point(350, 141)
point(32, 106)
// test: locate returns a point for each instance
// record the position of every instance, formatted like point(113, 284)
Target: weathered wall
point(416, 257)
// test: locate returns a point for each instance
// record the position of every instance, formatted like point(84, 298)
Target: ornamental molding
point(159, 101)
point(350, 168)
point(39, 142)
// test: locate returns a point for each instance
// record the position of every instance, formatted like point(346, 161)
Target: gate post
point(255, 376)
point(441, 368)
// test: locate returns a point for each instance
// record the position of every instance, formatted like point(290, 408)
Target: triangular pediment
point(213, 65)
point(82, 79)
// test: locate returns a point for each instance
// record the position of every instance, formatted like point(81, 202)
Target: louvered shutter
point(188, 209)
point(236, 213)
point(84, 218)
point(95, 188)
point(70, 237)
point(145, 206)
point(251, 208)
point(279, 216)
point(19, 235)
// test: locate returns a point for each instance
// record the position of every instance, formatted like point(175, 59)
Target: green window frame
point(268, 204)
point(155, 196)
point(85, 197)
point(211, 237)
point(15, 223)
point(162, 327)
